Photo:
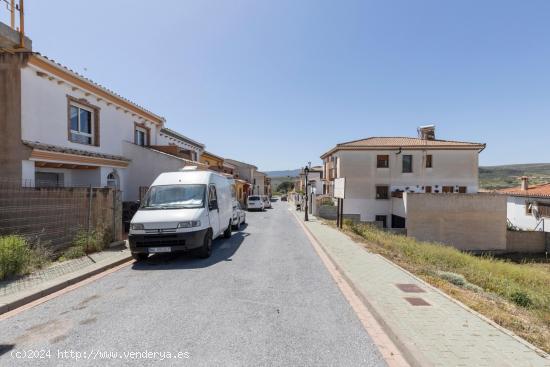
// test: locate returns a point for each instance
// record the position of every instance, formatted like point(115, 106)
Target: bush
point(89, 242)
point(73, 253)
point(15, 256)
point(453, 278)
point(521, 298)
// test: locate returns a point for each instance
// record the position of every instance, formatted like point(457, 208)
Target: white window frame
point(144, 131)
point(92, 123)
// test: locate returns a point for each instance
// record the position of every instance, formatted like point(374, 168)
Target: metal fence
point(53, 216)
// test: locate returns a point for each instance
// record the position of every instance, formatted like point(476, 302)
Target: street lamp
point(306, 171)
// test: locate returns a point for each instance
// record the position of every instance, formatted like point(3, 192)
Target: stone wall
point(527, 241)
point(474, 222)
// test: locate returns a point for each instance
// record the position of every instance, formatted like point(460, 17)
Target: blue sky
point(277, 83)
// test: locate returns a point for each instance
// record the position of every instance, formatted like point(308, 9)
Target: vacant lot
point(514, 295)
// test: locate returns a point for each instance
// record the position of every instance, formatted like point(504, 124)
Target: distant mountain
point(287, 173)
point(499, 177)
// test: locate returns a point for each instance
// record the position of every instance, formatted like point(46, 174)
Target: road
point(264, 298)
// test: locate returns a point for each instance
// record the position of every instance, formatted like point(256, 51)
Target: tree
point(285, 186)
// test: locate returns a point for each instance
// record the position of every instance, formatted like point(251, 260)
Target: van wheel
point(139, 256)
point(227, 233)
point(206, 249)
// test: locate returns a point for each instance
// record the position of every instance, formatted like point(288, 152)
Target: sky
point(277, 83)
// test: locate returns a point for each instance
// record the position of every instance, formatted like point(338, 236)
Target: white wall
point(145, 166)
point(516, 213)
point(44, 115)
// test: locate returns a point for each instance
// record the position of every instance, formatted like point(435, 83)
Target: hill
point(499, 177)
point(285, 173)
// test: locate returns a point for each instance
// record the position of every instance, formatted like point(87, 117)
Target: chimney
point(524, 183)
point(426, 132)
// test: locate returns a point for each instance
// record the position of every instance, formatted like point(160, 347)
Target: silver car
point(239, 216)
point(267, 202)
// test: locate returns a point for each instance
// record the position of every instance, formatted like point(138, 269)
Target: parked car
point(182, 211)
point(284, 198)
point(255, 202)
point(239, 216)
point(267, 202)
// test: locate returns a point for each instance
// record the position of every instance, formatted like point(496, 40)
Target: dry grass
point(514, 295)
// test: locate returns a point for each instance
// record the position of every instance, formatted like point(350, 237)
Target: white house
point(528, 207)
point(62, 129)
point(314, 180)
point(379, 169)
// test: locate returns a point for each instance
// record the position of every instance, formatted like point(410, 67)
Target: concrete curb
point(410, 355)
point(55, 285)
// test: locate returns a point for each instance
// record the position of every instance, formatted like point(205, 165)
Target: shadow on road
point(222, 250)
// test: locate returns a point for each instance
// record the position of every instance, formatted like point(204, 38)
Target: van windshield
point(174, 197)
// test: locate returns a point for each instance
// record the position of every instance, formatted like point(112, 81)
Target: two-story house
point(379, 169)
point(62, 129)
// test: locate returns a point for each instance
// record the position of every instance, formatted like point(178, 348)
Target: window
point(174, 197)
point(382, 161)
point(141, 134)
point(429, 161)
point(407, 163)
point(383, 219)
point(382, 192)
point(48, 179)
point(448, 189)
point(212, 198)
point(81, 121)
point(462, 189)
point(428, 189)
point(112, 180)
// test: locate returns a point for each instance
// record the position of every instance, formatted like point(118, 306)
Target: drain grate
point(417, 301)
point(410, 288)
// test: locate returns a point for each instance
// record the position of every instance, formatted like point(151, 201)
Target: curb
point(38, 292)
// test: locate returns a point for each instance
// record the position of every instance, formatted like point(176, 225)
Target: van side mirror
point(213, 205)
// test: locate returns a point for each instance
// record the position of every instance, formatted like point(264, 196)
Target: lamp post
point(306, 171)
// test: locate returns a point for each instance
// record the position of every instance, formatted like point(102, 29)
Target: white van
point(182, 211)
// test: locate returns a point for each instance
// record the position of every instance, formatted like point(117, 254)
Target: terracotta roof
point(542, 190)
point(395, 142)
point(58, 149)
point(177, 135)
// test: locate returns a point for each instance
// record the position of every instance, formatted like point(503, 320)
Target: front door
point(214, 211)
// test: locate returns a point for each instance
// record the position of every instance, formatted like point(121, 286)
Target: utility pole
point(306, 171)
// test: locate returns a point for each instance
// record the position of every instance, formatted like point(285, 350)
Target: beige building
point(379, 169)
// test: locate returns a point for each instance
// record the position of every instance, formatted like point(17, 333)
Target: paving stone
point(443, 333)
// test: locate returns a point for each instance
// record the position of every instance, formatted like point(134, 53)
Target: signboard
point(340, 188)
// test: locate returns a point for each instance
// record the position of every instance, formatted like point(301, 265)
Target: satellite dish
point(535, 210)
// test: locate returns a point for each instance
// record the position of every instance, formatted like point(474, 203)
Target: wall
point(44, 115)
point(450, 168)
point(12, 151)
point(518, 217)
point(145, 166)
point(465, 221)
point(528, 242)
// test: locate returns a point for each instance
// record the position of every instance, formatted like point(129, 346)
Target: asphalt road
point(264, 298)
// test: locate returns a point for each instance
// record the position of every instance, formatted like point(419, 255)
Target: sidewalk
point(429, 327)
point(15, 293)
